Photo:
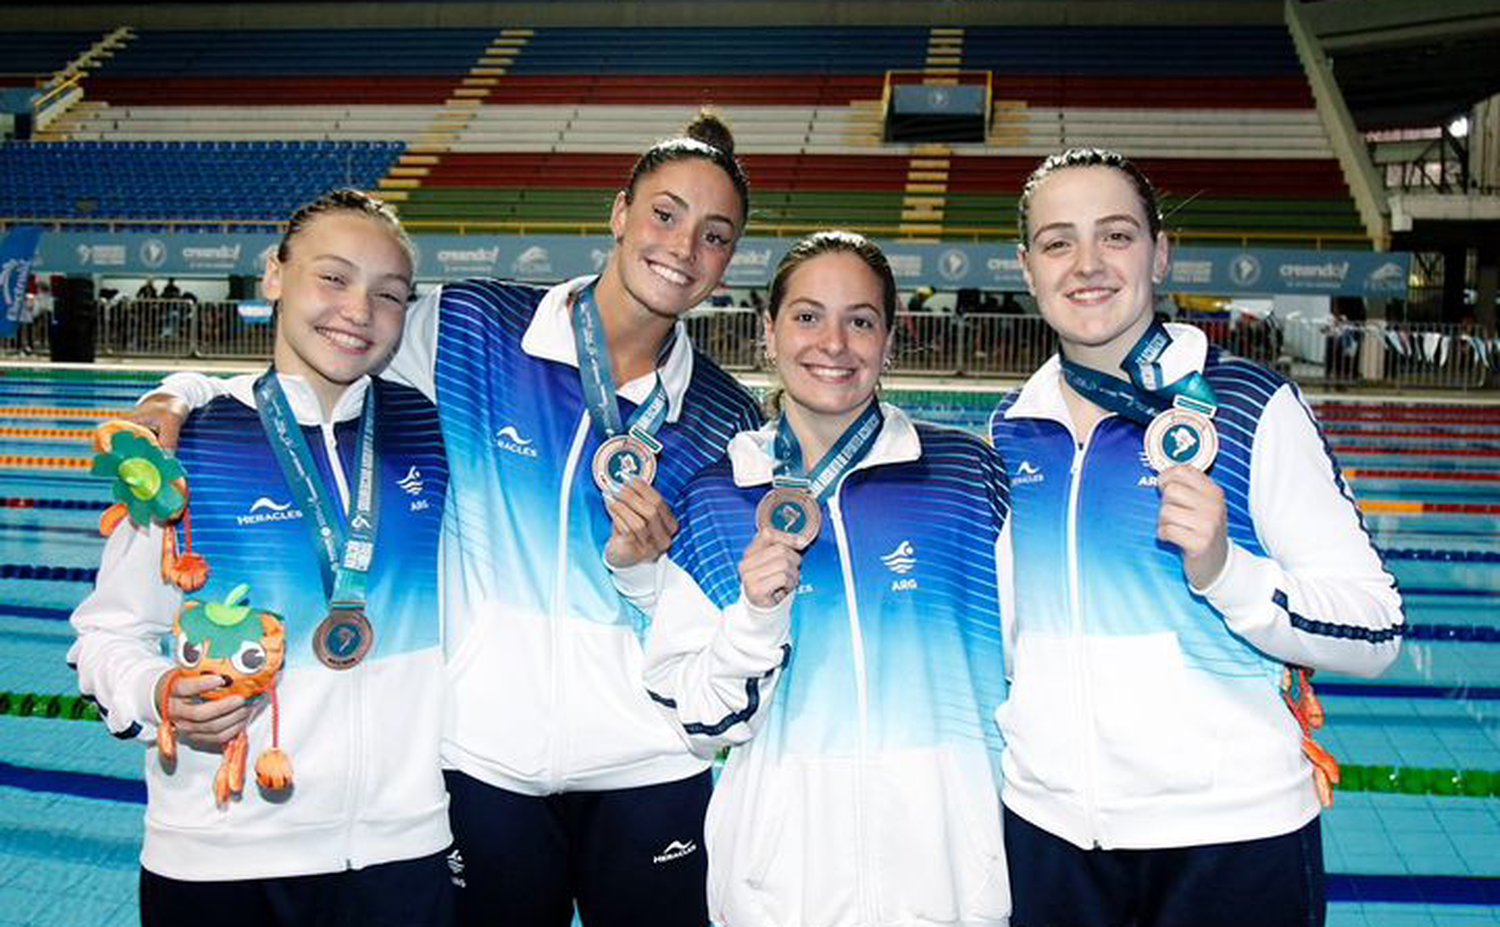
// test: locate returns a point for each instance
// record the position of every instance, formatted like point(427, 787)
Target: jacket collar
point(753, 455)
point(550, 337)
point(1042, 395)
point(302, 399)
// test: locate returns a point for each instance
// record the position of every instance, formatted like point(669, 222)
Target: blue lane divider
point(1441, 556)
point(34, 611)
point(1409, 889)
point(46, 573)
point(1402, 690)
point(83, 785)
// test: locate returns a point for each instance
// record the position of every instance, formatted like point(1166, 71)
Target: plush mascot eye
point(188, 652)
point(250, 658)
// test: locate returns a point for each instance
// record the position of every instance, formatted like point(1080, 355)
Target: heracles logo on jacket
point(1027, 472)
point(509, 439)
point(267, 509)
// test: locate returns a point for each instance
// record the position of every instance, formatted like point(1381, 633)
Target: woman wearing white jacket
point(830, 610)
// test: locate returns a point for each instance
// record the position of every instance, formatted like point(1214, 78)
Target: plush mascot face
point(244, 646)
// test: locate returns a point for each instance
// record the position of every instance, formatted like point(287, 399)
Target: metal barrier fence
point(977, 345)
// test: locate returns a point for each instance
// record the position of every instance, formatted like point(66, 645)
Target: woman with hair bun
point(566, 785)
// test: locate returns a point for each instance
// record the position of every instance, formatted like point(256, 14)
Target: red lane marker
point(1418, 452)
point(1454, 476)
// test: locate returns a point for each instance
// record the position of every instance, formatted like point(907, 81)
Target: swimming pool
point(1413, 838)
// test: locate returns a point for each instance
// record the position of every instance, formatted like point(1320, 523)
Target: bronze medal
point(343, 638)
point(791, 511)
point(1179, 437)
point(620, 460)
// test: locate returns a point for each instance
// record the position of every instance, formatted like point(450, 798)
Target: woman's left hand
point(1193, 517)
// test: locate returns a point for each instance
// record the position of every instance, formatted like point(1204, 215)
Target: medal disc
point(343, 638)
point(791, 511)
point(620, 460)
point(1181, 437)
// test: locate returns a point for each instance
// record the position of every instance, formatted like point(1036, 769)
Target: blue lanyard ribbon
point(598, 381)
point(1145, 396)
point(847, 451)
point(344, 554)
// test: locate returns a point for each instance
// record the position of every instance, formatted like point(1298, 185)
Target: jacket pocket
point(935, 832)
point(781, 844)
point(1042, 718)
point(1154, 737)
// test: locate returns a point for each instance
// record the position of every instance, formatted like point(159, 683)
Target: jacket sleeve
point(416, 356)
point(712, 671)
point(1322, 598)
point(120, 626)
point(192, 387)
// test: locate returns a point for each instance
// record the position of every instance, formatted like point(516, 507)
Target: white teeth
point(830, 373)
point(345, 340)
point(669, 275)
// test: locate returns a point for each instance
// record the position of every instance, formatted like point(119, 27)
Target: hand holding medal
point(642, 525)
point(771, 568)
point(1193, 517)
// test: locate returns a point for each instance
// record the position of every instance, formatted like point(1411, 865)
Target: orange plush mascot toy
point(246, 647)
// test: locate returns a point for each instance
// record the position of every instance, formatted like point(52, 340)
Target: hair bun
point(711, 130)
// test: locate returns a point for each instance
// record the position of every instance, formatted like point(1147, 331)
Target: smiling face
point(829, 338)
point(1091, 261)
point(675, 235)
point(343, 290)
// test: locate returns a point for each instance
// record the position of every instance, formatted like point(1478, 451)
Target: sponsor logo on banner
point(953, 264)
point(1389, 276)
point(1192, 272)
point(905, 265)
point(750, 266)
point(211, 257)
point(534, 261)
point(598, 256)
point(1005, 269)
point(1316, 275)
point(1244, 270)
point(153, 252)
point(469, 260)
point(101, 255)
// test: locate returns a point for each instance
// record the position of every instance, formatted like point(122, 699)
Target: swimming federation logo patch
point(902, 559)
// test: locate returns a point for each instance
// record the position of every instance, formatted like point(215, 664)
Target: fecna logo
point(266, 509)
point(509, 439)
point(1386, 275)
point(534, 260)
point(677, 849)
point(411, 483)
point(902, 559)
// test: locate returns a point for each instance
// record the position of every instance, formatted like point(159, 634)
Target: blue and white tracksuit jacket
point(363, 742)
point(1144, 713)
point(865, 791)
point(544, 656)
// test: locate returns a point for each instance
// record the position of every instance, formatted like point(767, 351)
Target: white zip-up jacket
point(363, 742)
point(862, 787)
point(1144, 713)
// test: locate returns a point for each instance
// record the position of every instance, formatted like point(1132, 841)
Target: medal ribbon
point(598, 381)
point(847, 451)
point(344, 554)
point(1145, 396)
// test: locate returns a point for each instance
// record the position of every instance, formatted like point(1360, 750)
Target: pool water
point(1412, 839)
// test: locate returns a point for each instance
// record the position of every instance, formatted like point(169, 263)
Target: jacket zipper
point(1080, 641)
point(353, 797)
point(861, 692)
point(560, 603)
